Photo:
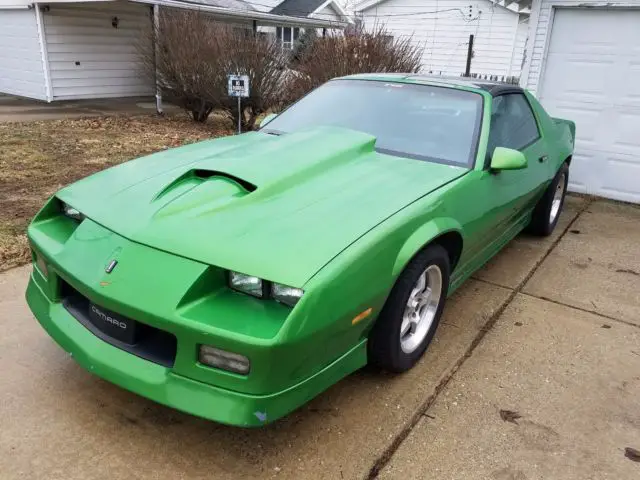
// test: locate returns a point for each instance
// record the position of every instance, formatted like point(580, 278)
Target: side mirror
point(507, 159)
point(267, 119)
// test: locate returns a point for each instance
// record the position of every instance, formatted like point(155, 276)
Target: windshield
point(423, 122)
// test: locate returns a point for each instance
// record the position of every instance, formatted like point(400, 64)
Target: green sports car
point(237, 278)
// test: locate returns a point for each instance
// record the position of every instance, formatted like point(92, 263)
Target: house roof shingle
point(297, 8)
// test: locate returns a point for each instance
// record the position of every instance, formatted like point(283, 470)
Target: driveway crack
point(422, 410)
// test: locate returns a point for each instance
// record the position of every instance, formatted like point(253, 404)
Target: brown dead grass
point(39, 158)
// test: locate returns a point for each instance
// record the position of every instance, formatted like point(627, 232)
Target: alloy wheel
point(421, 308)
point(557, 199)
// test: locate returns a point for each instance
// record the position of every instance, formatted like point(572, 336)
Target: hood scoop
point(206, 174)
point(196, 176)
point(200, 191)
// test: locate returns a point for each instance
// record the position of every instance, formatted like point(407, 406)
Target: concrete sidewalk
point(568, 368)
point(17, 109)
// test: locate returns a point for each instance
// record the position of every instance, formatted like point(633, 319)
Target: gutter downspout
point(43, 53)
point(513, 45)
point(156, 51)
point(534, 20)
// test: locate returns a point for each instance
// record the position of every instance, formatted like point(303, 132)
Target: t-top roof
point(493, 87)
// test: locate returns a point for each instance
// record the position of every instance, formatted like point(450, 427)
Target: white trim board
point(43, 52)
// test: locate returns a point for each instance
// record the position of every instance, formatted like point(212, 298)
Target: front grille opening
point(150, 343)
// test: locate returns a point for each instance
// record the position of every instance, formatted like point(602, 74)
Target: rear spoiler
point(569, 123)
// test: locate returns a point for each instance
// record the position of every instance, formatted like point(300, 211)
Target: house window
point(287, 36)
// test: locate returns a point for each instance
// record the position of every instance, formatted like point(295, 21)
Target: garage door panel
point(587, 118)
point(620, 180)
point(625, 135)
point(582, 40)
point(583, 78)
point(582, 167)
point(630, 93)
point(592, 76)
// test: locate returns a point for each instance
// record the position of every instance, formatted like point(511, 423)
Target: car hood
point(279, 207)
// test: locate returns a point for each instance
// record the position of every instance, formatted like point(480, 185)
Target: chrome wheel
point(421, 309)
point(557, 199)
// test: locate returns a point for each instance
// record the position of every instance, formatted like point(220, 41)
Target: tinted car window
point(512, 123)
point(422, 122)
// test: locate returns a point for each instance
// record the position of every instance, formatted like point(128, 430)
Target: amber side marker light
point(361, 316)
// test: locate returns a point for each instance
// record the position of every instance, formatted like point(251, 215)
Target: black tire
point(542, 223)
point(384, 344)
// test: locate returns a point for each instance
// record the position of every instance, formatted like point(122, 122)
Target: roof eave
point(366, 4)
point(516, 6)
point(336, 6)
point(263, 17)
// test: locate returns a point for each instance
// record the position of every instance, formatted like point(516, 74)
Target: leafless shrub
point(195, 56)
point(355, 52)
point(239, 51)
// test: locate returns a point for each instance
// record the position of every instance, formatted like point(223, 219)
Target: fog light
point(41, 265)
point(232, 362)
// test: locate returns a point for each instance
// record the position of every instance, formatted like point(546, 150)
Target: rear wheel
point(547, 212)
point(409, 319)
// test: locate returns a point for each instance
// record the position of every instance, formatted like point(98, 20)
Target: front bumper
point(164, 386)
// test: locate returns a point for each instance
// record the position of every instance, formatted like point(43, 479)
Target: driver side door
point(515, 192)
point(507, 195)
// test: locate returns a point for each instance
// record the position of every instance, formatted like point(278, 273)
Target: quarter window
point(512, 123)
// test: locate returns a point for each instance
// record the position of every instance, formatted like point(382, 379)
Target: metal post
point(156, 51)
point(467, 71)
point(255, 28)
point(239, 114)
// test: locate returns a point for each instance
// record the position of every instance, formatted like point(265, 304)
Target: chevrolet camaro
point(237, 278)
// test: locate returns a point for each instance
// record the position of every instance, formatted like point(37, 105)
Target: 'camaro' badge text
point(112, 264)
point(106, 318)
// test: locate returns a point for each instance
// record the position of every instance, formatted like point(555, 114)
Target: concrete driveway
point(534, 374)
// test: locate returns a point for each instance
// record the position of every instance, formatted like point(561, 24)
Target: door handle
point(543, 158)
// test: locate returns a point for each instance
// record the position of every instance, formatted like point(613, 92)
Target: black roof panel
point(493, 87)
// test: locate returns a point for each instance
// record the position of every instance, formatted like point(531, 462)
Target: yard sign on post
point(239, 88)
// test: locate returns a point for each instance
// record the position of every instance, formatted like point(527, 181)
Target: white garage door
point(93, 49)
point(592, 76)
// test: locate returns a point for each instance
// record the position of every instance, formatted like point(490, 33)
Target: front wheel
point(547, 212)
point(409, 319)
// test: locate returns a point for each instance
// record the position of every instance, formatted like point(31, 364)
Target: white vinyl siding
point(327, 13)
point(88, 57)
point(443, 27)
point(21, 68)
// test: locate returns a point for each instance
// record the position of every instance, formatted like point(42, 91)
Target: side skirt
point(483, 256)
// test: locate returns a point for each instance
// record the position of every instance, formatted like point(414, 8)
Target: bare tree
point(356, 52)
point(196, 54)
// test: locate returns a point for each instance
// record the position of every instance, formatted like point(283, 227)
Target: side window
point(512, 123)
